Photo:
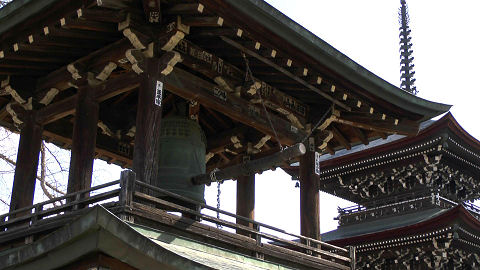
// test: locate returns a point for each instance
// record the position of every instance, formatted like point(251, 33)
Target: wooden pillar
point(309, 197)
point(149, 115)
point(27, 163)
point(84, 139)
point(246, 200)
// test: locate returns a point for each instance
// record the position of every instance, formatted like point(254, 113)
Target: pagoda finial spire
point(406, 59)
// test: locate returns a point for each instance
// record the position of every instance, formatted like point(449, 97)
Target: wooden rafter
point(340, 137)
point(230, 77)
point(284, 71)
point(361, 135)
point(365, 121)
point(189, 86)
point(110, 88)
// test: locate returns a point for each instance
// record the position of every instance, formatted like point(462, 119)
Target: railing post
point(38, 209)
point(127, 185)
point(353, 258)
point(76, 205)
point(258, 239)
point(2, 222)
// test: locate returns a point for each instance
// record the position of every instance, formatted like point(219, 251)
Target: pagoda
point(414, 199)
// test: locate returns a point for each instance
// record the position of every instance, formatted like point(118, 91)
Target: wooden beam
point(361, 135)
point(245, 200)
point(191, 87)
point(284, 71)
point(23, 47)
point(100, 15)
point(27, 163)
point(89, 36)
point(99, 152)
point(91, 26)
point(309, 197)
point(252, 166)
point(32, 57)
point(60, 78)
point(83, 140)
point(213, 21)
point(106, 90)
point(338, 135)
point(116, 4)
point(43, 40)
point(218, 142)
point(15, 64)
point(229, 76)
point(369, 122)
point(186, 8)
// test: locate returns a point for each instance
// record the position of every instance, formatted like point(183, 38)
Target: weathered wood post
point(27, 162)
point(246, 200)
point(84, 137)
point(309, 195)
point(127, 185)
point(149, 117)
point(149, 112)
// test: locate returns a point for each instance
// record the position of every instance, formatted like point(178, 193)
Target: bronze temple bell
point(182, 156)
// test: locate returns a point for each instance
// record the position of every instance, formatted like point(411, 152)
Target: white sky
point(446, 47)
point(446, 50)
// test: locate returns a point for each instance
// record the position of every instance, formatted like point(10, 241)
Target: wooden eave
point(442, 127)
point(52, 36)
point(457, 216)
point(443, 145)
point(273, 26)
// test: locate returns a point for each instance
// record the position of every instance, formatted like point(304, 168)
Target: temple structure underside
point(206, 88)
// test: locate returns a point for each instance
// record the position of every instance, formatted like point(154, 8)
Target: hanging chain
point(213, 178)
point(218, 203)
point(248, 75)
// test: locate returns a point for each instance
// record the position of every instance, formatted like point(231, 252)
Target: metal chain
point(248, 73)
point(218, 202)
point(213, 178)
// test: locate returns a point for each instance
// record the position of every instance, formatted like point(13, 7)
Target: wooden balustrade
point(29, 216)
point(135, 197)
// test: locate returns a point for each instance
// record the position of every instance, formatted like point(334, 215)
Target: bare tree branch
point(42, 172)
point(4, 202)
point(11, 162)
point(55, 157)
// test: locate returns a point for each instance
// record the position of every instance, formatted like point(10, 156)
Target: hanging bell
point(182, 156)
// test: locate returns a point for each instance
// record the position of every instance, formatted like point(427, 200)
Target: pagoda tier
point(425, 239)
point(442, 159)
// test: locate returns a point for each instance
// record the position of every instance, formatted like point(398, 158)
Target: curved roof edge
point(17, 11)
point(436, 221)
point(278, 23)
point(396, 141)
point(322, 52)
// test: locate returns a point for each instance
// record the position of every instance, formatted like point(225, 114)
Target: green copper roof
point(17, 11)
point(380, 225)
point(98, 230)
point(209, 255)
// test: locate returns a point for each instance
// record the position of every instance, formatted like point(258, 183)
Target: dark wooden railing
point(399, 204)
point(134, 197)
point(29, 216)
